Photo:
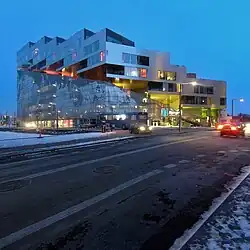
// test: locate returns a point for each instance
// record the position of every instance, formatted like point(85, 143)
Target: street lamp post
point(180, 115)
point(233, 100)
point(57, 118)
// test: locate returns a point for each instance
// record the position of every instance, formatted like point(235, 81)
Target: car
point(140, 129)
point(231, 129)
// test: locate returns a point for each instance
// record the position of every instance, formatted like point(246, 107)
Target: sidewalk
point(228, 227)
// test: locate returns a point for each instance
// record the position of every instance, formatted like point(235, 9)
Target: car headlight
point(142, 128)
point(220, 127)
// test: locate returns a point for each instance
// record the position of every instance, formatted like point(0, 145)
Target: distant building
point(113, 61)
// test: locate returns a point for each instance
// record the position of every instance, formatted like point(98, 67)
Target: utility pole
point(180, 114)
point(233, 107)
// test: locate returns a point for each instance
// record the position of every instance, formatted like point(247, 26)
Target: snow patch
point(11, 139)
point(225, 227)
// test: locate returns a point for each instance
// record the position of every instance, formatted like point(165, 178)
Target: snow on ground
point(11, 139)
point(13, 136)
point(229, 228)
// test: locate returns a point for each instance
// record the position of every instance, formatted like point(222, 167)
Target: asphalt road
point(134, 194)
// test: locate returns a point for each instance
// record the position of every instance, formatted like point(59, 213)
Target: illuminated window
point(143, 73)
point(74, 55)
point(129, 71)
point(160, 74)
point(170, 76)
point(102, 56)
point(166, 75)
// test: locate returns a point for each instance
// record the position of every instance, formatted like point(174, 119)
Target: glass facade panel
point(40, 96)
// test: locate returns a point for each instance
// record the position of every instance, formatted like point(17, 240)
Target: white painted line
point(10, 239)
point(188, 234)
point(170, 166)
point(184, 161)
point(221, 152)
point(233, 151)
point(80, 164)
point(200, 156)
point(245, 150)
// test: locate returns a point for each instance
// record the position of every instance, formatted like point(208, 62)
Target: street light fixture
point(194, 83)
point(233, 100)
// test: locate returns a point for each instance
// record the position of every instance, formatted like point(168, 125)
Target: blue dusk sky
point(209, 37)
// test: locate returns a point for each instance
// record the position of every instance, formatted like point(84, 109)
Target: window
point(81, 65)
point(202, 90)
point(170, 76)
point(91, 48)
point(160, 75)
point(166, 75)
point(95, 46)
point(210, 90)
point(196, 89)
point(136, 72)
point(172, 87)
point(223, 101)
point(115, 69)
point(143, 73)
point(102, 56)
point(126, 57)
point(155, 86)
point(194, 100)
point(202, 100)
point(93, 59)
point(188, 99)
point(129, 71)
point(143, 60)
point(87, 50)
point(135, 59)
point(113, 40)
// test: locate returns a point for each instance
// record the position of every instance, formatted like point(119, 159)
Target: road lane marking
point(188, 234)
point(184, 161)
point(221, 152)
point(245, 150)
point(233, 151)
point(80, 164)
point(170, 166)
point(16, 236)
point(200, 156)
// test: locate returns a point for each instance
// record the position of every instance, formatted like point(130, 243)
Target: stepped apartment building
point(104, 73)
